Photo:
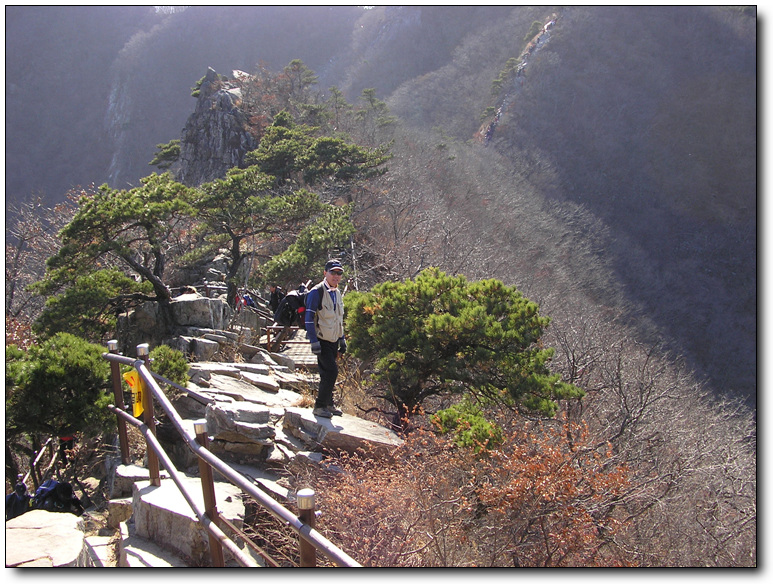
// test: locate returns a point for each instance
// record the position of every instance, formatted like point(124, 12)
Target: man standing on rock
point(325, 331)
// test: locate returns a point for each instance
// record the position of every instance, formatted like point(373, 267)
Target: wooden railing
point(283, 337)
point(310, 540)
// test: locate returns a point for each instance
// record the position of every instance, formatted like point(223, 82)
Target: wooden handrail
point(206, 522)
point(278, 511)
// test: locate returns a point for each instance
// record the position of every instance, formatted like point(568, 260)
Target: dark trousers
point(327, 361)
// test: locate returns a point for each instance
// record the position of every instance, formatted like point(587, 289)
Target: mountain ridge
point(634, 127)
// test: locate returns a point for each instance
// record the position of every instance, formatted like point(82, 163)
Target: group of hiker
point(52, 495)
point(320, 310)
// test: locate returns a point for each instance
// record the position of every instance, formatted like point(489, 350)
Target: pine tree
point(442, 335)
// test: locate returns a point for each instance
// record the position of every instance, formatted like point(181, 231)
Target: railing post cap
point(112, 346)
point(200, 426)
point(143, 350)
point(305, 498)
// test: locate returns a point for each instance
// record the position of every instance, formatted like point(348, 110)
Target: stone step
point(137, 552)
point(163, 517)
point(103, 550)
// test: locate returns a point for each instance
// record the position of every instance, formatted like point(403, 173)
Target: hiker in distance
point(325, 331)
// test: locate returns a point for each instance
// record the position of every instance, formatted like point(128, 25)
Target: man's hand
point(342, 345)
point(316, 348)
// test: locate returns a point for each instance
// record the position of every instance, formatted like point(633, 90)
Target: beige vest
point(328, 320)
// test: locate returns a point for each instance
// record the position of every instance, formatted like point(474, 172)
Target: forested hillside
point(645, 120)
point(634, 126)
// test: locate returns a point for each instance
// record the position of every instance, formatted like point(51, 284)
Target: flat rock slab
point(241, 390)
point(207, 368)
point(347, 433)
point(265, 382)
point(42, 539)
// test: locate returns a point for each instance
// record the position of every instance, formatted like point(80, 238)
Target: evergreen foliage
point(535, 27)
point(88, 308)
point(133, 226)
point(246, 206)
point(441, 335)
point(290, 151)
point(310, 251)
point(171, 364)
point(469, 426)
point(167, 154)
point(60, 386)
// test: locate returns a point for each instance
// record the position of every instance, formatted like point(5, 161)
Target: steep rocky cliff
point(215, 137)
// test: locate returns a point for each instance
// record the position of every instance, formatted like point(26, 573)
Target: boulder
point(203, 349)
point(195, 310)
point(239, 422)
point(250, 351)
point(118, 511)
point(284, 361)
point(220, 339)
point(42, 539)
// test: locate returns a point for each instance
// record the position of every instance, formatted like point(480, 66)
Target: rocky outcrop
point(340, 433)
point(257, 415)
point(215, 137)
point(195, 326)
point(194, 310)
point(256, 422)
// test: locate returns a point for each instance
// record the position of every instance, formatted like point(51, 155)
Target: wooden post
point(306, 512)
point(115, 373)
point(208, 489)
point(35, 470)
point(149, 419)
point(283, 334)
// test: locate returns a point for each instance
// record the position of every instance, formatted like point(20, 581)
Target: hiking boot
point(334, 410)
point(322, 412)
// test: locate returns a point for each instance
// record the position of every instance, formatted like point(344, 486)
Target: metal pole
point(208, 488)
point(306, 512)
point(115, 373)
point(150, 421)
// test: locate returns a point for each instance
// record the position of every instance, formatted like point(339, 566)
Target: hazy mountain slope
point(646, 119)
point(394, 44)
point(56, 87)
point(91, 91)
point(653, 129)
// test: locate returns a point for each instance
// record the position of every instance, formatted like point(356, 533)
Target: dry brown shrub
point(397, 512)
point(546, 498)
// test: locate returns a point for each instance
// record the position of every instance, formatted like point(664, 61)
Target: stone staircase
point(162, 531)
point(257, 422)
point(153, 527)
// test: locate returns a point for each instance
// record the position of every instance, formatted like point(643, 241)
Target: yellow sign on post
point(135, 382)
